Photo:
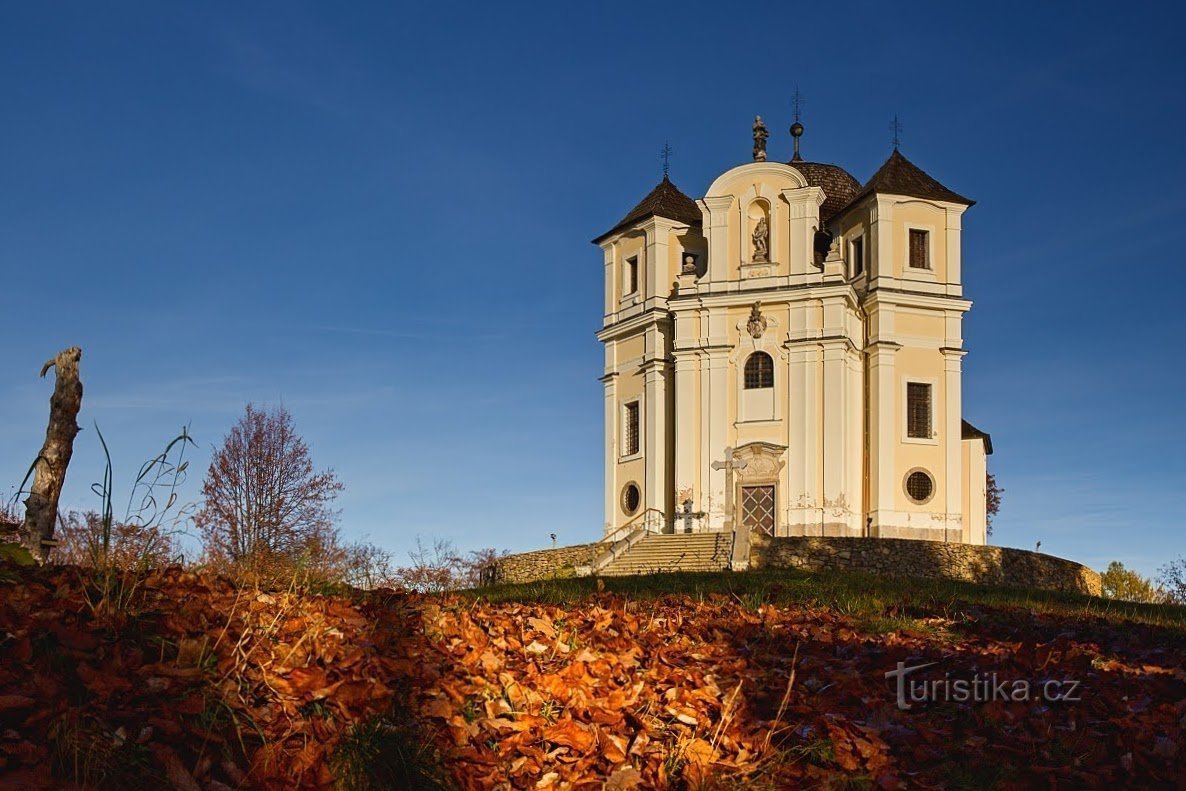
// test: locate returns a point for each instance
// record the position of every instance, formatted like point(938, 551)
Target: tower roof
point(900, 176)
point(968, 431)
point(665, 200)
point(838, 185)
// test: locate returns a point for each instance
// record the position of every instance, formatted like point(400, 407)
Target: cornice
point(896, 296)
point(648, 317)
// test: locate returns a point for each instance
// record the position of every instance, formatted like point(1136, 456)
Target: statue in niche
point(760, 135)
point(757, 322)
point(761, 237)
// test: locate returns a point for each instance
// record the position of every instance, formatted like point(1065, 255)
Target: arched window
point(759, 371)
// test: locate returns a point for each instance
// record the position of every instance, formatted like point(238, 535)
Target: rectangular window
point(918, 410)
point(920, 247)
point(858, 256)
point(631, 433)
point(631, 275)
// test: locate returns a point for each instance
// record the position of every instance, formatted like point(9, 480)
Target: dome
point(837, 183)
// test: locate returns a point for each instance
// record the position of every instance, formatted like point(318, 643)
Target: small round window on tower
point(920, 486)
point(631, 498)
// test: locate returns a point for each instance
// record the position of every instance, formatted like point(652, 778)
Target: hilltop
point(716, 681)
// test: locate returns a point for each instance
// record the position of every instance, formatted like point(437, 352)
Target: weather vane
point(666, 157)
point(896, 128)
point(797, 102)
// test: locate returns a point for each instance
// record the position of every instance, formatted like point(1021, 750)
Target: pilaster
point(717, 210)
point(714, 415)
point(802, 220)
point(953, 437)
point(687, 430)
point(836, 427)
point(882, 429)
point(610, 382)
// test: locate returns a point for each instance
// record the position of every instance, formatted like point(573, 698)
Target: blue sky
point(353, 208)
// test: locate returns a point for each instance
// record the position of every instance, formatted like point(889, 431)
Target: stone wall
point(546, 563)
point(908, 557)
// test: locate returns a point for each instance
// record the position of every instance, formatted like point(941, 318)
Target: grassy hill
point(759, 680)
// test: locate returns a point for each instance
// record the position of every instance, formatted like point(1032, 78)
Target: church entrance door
point(757, 508)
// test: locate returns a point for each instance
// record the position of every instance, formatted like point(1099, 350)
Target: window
point(759, 371)
point(631, 498)
point(920, 486)
point(920, 247)
point(918, 410)
point(631, 275)
point(757, 508)
point(858, 256)
point(631, 438)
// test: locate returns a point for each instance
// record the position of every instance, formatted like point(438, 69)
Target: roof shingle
point(968, 431)
point(665, 200)
point(838, 185)
point(900, 176)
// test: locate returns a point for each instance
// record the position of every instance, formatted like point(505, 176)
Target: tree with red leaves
point(264, 499)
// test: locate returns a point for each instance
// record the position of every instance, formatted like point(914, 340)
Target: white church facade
point(784, 355)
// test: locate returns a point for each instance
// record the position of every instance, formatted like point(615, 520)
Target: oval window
point(631, 498)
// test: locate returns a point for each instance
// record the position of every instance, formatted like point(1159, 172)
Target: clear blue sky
point(355, 208)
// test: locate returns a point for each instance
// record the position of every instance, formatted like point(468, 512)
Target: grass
point(387, 753)
point(881, 603)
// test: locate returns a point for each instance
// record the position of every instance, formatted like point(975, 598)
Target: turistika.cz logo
point(980, 688)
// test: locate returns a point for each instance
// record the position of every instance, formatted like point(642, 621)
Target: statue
point(761, 237)
point(757, 322)
point(760, 135)
point(689, 265)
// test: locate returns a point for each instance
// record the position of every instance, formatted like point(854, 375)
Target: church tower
point(784, 355)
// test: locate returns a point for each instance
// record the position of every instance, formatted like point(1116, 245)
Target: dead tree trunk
point(49, 470)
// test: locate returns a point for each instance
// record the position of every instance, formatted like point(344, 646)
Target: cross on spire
point(896, 127)
point(797, 102)
point(665, 155)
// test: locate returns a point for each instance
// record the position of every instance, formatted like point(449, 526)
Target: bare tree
point(1172, 579)
point(441, 567)
point(263, 497)
point(49, 468)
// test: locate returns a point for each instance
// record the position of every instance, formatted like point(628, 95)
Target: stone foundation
point(546, 563)
point(987, 565)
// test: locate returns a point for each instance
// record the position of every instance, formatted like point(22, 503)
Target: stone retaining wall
point(546, 563)
point(908, 557)
point(889, 556)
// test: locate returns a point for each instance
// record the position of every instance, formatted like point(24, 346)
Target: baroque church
point(784, 355)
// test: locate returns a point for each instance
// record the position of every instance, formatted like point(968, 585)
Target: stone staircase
point(655, 554)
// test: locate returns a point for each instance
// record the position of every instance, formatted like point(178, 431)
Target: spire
point(665, 155)
point(896, 127)
point(797, 103)
point(760, 135)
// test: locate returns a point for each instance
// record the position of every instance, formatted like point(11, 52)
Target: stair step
point(673, 552)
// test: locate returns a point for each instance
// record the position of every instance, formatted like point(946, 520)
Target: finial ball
point(796, 129)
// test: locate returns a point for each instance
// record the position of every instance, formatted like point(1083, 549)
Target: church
point(784, 353)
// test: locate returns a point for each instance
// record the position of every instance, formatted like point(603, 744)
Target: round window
point(631, 498)
point(920, 486)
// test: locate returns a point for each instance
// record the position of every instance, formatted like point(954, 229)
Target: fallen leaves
point(222, 688)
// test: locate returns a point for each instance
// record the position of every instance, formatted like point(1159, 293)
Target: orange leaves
point(568, 733)
point(266, 691)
